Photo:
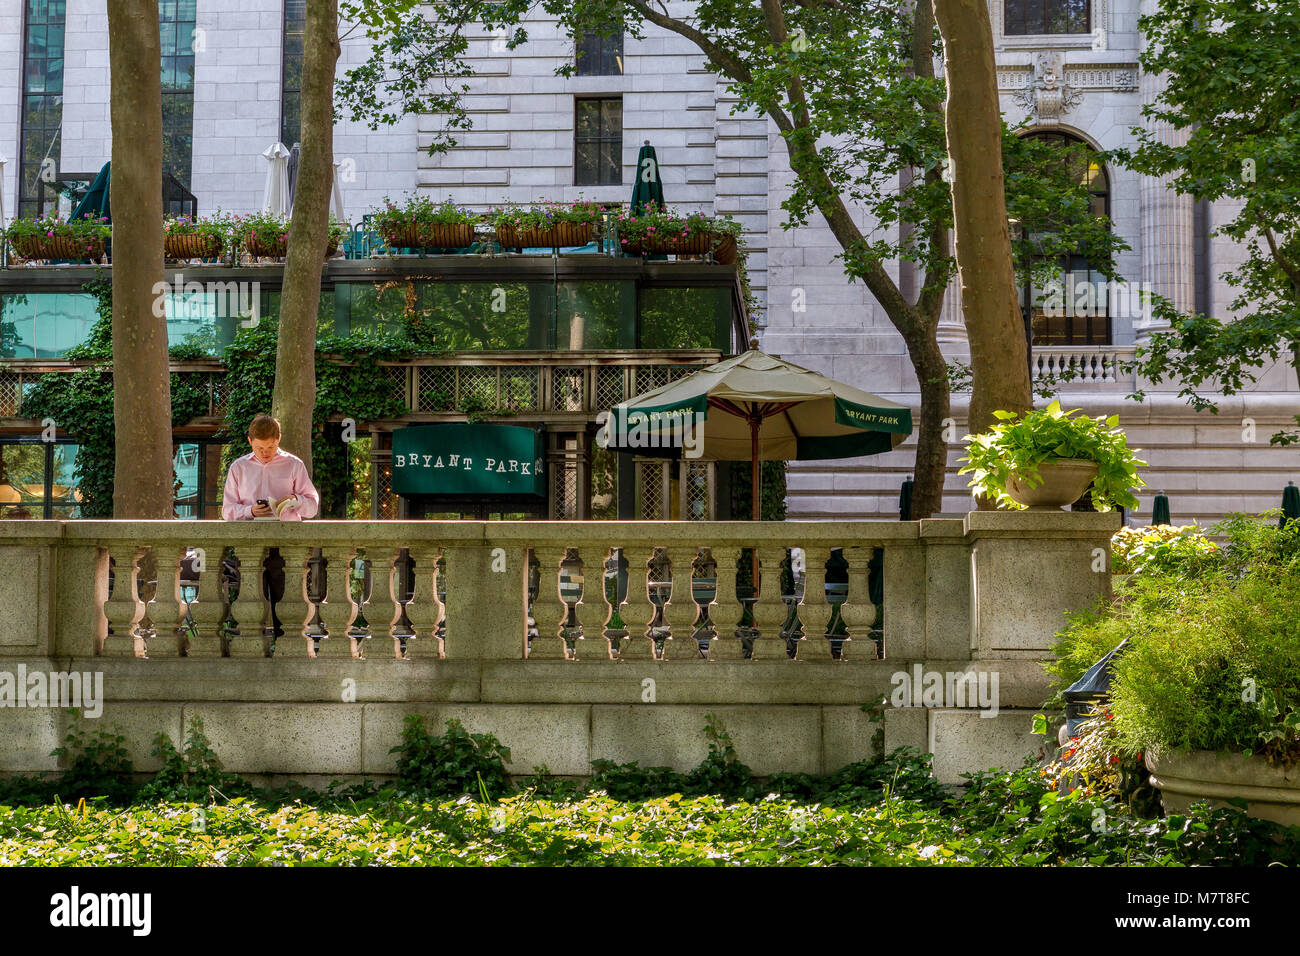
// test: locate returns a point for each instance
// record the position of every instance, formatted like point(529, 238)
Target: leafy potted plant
point(51, 238)
point(655, 230)
point(188, 237)
point(1046, 459)
point(553, 225)
point(420, 223)
point(266, 236)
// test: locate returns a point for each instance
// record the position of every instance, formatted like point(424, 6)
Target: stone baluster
point(424, 609)
point(169, 586)
point(859, 612)
point(337, 612)
point(658, 587)
point(594, 611)
point(209, 608)
point(296, 610)
point(639, 611)
point(770, 613)
point(681, 610)
point(614, 590)
point(123, 608)
point(249, 613)
point(549, 609)
point(814, 611)
point(146, 627)
point(725, 610)
point(382, 608)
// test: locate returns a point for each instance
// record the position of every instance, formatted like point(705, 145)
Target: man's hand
point(262, 511)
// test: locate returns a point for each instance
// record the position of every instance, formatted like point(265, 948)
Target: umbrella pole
point(757, 481)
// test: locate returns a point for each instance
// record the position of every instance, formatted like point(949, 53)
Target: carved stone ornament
point(1046, 95)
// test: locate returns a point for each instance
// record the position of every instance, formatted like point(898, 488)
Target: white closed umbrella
point(336, 201)
point(275, 198)
point(2, 191)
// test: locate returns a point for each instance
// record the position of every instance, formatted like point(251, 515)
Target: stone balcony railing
point(620, 634)
point(1085, 365)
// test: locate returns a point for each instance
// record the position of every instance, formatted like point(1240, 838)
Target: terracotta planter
point(191, 247)
point(280, 249)
point(1271, 793)
point(58, 247)
point(560, 234)
point(450, 236)
point(1063, 481)
point(724, 253)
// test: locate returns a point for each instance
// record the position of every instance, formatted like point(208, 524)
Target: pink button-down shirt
point(249, 479)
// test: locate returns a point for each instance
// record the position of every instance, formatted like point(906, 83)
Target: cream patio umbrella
point(755, 407)
point(275, 197)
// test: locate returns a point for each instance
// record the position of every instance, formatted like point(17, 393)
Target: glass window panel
point(65, 494)
point(22, 480)
point(589, 314)
point(185, 463)
point(481, 315)
point(371, 306)
point(54, 74)
point(697, 318)
point(36, 40)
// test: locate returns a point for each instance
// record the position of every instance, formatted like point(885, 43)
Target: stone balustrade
point(1084, 364)
point(571, 641)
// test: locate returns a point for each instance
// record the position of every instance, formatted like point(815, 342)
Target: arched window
point(1078, 311)
point(1044, 17)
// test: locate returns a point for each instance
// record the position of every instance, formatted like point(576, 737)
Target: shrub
point(192, 775)
point(99, 766)
point(1161, 549)
point(455, 763)
point(1213, 661)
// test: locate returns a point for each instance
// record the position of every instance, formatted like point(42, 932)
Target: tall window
point(600, 55)
point(598, 141)
point(1077, 312)
point(1040, 17)
point(295, 25)
point(42, 115)
point(176, 22)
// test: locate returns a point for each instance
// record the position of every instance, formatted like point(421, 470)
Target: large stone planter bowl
point(1063, 481)
point(1271, 793)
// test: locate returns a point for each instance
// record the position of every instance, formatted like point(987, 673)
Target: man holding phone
point(269, 483)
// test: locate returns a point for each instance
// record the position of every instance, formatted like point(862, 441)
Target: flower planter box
point(279, 249)
point(695, 245)
point(449, 236)
point(560, 234)
point(1063, 481)
point(57, 247)
point(192, 246)
point(1270, 792)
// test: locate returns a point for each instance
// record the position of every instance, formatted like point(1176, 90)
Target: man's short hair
point(263, 427)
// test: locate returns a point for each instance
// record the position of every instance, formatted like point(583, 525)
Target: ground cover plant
point(452, 805)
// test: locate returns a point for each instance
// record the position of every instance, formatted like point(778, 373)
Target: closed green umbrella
point(905, 500)
point(1160, 510)
point(1290, 504)
point(95, 203)
point(648, 187)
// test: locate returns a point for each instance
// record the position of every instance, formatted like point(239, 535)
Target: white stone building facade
point(522, 149)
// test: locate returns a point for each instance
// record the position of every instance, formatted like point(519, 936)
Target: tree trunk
point(994, 325)
point(294, 396)
point(142, 416)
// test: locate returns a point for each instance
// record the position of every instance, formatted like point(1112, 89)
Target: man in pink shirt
point(269, 483)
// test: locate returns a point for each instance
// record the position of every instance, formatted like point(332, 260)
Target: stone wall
point(982, 596)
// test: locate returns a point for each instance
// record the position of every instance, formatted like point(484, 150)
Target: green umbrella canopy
point(95, 203)
point(755, 407)
point(1290, 504)
point(647, 187)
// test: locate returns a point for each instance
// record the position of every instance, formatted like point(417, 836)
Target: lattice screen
point(610, 387)
point(11, 393)
point(567, 389)
point(435, 388)
point(396, 375)
point(698, 491)
point(521, 388)
point(651, 499)
point(478, 386)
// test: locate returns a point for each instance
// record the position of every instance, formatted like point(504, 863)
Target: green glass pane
point(475, 315)
point(685, 318)
point(589, 314)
